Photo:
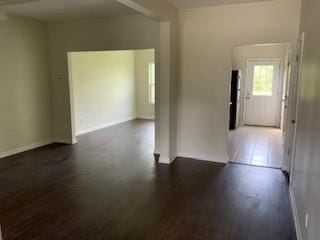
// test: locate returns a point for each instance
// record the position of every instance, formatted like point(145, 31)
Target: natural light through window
point(263, 80)
point(152, 83)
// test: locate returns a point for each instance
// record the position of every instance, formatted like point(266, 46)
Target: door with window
point(263, 98)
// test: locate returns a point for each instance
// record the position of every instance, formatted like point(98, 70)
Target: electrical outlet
point(307, 220)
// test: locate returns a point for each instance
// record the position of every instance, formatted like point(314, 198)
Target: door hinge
point(289, 151)
point(297, 58)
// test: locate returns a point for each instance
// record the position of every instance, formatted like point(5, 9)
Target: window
point(152, 83)
point(262, 80)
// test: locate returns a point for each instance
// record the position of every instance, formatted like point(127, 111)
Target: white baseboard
point(105, 125)
point(66, 140)
point(295, 212)
point(205, 159)
point(145, 117)
point(25, 148)
point(167, 160)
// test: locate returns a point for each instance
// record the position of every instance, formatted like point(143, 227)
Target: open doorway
point(260, 75)
point(109, 88)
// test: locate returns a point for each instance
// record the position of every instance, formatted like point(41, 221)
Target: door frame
point(280, 86)
point(296, 98)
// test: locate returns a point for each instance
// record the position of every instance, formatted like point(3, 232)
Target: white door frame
point(296, 103)
point(279, 86)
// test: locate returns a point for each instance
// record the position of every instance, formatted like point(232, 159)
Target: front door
point(262, 107)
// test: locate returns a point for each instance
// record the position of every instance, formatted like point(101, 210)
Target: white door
point(262, 106)
point(295, 104)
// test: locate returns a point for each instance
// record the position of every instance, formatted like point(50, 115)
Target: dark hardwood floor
point(109, 187)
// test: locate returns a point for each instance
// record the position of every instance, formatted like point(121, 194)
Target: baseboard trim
point(295, 212)
point(66, 141)
point(109, 124)
point(145, 117)
point(25, 148)
point(206, 159)
point(167, 160)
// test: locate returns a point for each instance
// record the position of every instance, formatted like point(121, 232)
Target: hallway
point(259, 146)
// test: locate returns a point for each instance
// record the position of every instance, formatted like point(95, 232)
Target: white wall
point(25, 96)
point(117, 33)
point(103, 88)
point(306, 177)
point(207, 36)
point(144, 109)
point(122, 32)
point(241, 54)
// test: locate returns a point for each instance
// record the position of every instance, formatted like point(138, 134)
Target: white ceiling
point(56, 10)
point(205, 3)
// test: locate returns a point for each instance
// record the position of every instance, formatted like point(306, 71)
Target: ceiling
point(205, 3)
point(57, 10)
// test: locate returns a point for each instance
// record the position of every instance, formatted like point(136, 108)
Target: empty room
point(159, 119)
point(110, 88)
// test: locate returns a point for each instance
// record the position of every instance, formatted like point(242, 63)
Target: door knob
point(293, 121)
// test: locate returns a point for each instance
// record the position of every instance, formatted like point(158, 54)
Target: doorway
point(263, 98)
point(257, 138)
point(109, 88)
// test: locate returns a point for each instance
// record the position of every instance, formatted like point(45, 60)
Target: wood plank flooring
point(109, 187)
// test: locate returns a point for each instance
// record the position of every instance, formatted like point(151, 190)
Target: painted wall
point(207, 36)
point(144, 109)
point(25, 96)
point(117, 33)
point(103, 88)
point(306, 177)
point(241, 54)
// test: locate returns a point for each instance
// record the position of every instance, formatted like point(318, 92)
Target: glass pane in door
point(262, 80)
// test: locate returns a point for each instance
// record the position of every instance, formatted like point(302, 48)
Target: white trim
point(167, 160)
point(66, 140)
point(205, 159)
point(145, 117)
point(295, 212)
point(297, 89)
point(105, 125)
point(25, 148)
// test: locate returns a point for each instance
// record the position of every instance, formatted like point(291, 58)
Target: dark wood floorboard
point(109, 187)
